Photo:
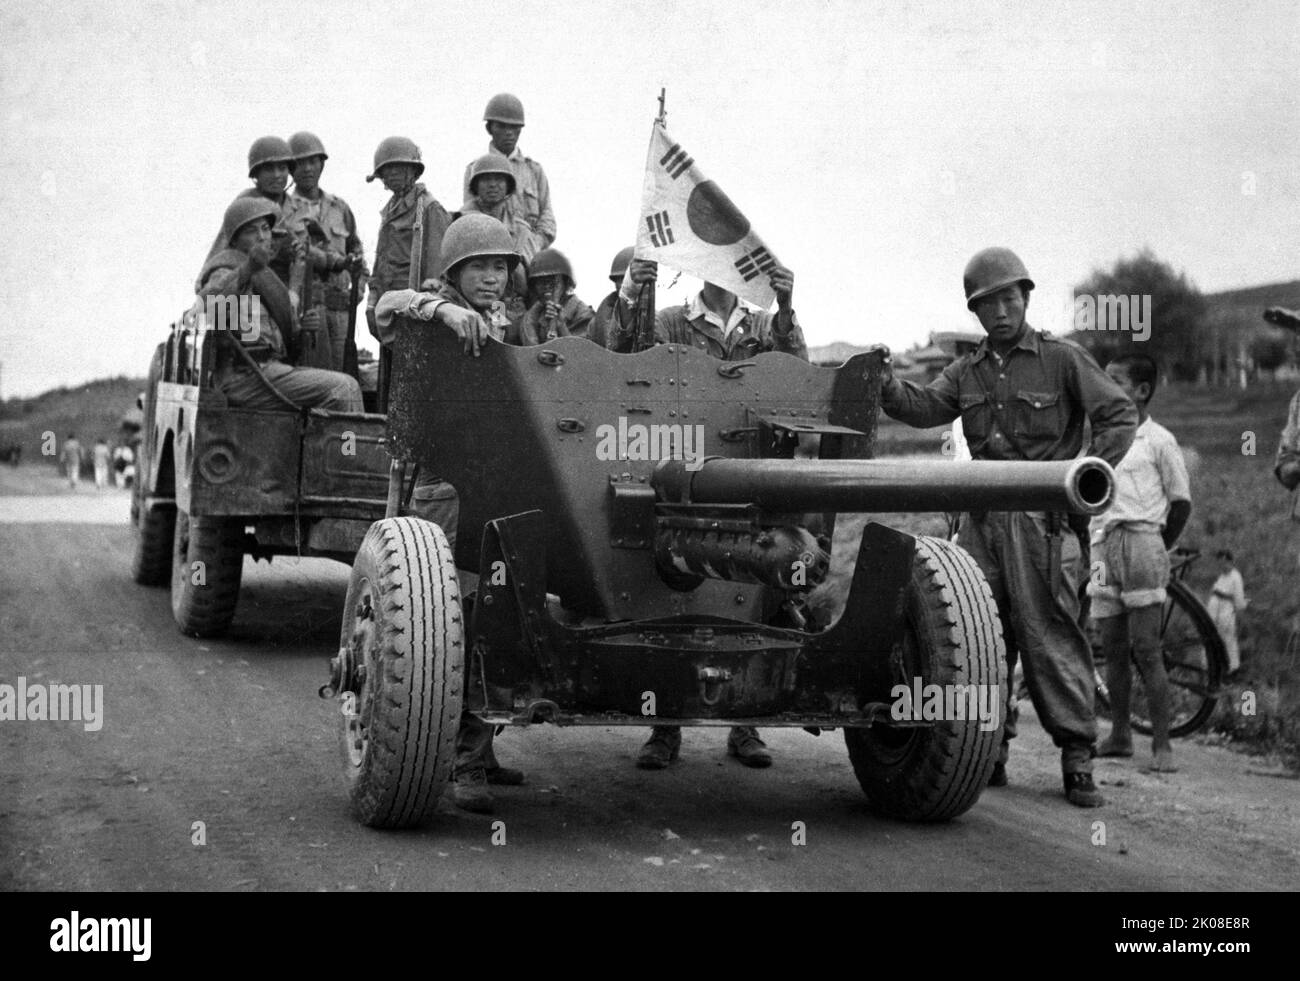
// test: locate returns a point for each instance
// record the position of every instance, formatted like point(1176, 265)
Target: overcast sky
point(874, 147)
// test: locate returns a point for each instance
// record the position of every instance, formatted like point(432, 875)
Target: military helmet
point(304, 144)
point(550, 262)
point(492, 163)
point(473, 235)
point(504, 108)
point(242, 210)
point(268, 149)
point(990, 270)
point(621, 262)
point(397, 149)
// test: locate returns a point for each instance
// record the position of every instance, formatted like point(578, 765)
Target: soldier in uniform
point(403, 259)
point(549, 276)
point(1023, 395)
point(270, 164)
point(342, 256)
point(475, 265)
point(241, 270)
point(504, 118)
point(492, 187)
point(716, 322)
point(613, 312)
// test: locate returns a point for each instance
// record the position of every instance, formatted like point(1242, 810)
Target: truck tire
point(151, 559)
point(207, 564)
point(951, 636)
point(403, 628)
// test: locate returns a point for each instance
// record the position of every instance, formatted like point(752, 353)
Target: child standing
point(1151, 506)
point(1227, 599)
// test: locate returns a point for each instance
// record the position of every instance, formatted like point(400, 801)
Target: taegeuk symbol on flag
point(688, 223)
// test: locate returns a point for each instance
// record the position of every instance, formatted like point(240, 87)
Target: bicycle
point(1195, 658)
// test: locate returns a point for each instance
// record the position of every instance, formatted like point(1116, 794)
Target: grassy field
point(1236, 504)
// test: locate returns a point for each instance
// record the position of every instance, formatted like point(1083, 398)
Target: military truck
point(637, 543)
point(216, 482)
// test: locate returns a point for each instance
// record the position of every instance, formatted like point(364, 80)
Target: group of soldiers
point(485, 270)
point(489, 270)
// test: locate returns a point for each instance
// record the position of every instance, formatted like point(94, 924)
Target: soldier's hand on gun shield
point(886, 363)
point(468, 325)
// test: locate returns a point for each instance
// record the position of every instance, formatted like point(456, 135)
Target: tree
point(1179, 336)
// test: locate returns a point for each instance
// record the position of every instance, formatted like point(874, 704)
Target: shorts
point(1130, 569)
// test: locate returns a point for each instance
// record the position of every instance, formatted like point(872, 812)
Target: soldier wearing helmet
point(411, 226)
point(474, 267)
point(270, 164)
point(240, 271)
point(556, 310)
point(504, 119)
point(1024, 395)
point(492, 187)
point(337, 255)
point(613, 312)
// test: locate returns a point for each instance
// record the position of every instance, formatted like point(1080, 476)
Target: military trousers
point(307, 387)
point(1040, 625)
point(433, 499)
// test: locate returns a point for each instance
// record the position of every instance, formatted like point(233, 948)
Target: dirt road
point(231, 734)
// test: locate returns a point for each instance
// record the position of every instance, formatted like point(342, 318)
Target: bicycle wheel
point(1195, 660)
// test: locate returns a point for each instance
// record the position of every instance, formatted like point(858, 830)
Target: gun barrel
point(1080, 486)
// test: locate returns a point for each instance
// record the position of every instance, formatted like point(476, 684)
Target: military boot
point(470, 791)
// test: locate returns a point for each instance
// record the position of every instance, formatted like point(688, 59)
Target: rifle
point(549, 322)
point(354, 297)
point(309, 353)
point(643, 314)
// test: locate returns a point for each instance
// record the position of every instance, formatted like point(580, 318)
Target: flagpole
point(662, 118)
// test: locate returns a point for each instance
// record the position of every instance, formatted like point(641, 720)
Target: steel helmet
point(504, 108)
point(306, 144)
point(990, 270)
point(397, 149)
point(243, 210)
point(268, 149)
point(621, 262)
point(550, 262)
point(473, 235)
point(492, 163)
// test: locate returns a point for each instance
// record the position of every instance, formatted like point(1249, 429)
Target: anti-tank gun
point(637, 542)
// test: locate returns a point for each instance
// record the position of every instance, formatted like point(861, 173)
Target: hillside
point(90, 411)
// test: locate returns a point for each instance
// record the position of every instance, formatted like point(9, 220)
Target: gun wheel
point(404, 646)
point(951, 636)
point(207, 565)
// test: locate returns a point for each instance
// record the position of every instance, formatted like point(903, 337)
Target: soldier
point(240, 272)
point(492, 186)
point(613, 312)
point(342, 250)
point(504, 118)
point(556, 310)
point(411, 208)
point(716, 322)
point(475, 265)
point(1023, 395)
point(270, 163)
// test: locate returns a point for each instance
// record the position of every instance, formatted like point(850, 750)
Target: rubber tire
point(952, 635)
point(1216, 658)
point(399, 736)
point(151, 558)
point(206, 610)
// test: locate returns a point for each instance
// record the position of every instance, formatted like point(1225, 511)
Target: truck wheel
point(151, 559)
point(207, 563)
point(951, 636)
point(403, 637)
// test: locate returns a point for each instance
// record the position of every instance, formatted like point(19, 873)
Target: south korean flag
point(688, 223)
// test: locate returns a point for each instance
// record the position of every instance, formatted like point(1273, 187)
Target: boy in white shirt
point(1151, 507)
